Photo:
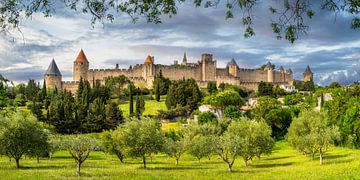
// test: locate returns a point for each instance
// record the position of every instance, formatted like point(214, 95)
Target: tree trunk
point(78, 169)
point(17, 163)
point(38, 159)
point(229, 167)
point(321, 156)
point(150, 158)
point(9, 159)
point(144, 161)
point(313, 156)
point(245, 162)
point(177, 161)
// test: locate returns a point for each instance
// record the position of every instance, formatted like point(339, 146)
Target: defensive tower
point(81, 66)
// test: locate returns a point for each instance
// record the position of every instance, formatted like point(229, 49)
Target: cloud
point(331, 48)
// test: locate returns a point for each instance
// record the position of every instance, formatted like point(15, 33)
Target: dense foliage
point(183, 93)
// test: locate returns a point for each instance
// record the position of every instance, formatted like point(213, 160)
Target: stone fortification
point(203, 71)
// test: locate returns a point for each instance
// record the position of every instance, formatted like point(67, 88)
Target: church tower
point(270, 72)
point(184, 61)
point(232, 67)
point(81, 66)
point(308, 75)
point(53, 76)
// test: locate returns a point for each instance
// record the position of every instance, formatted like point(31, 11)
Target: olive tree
point(111, 144)
point(21, 134)
point(310, 134)
point(141, 137)
point(175, 145)
point(201, 146)
point(79, 147)
point(245, 138)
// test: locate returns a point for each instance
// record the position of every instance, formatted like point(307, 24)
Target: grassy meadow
point(151, 106)
point(283, 163)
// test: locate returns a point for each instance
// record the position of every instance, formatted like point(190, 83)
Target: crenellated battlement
point(201, 71)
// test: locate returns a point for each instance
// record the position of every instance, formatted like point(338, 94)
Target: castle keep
point(203, 71)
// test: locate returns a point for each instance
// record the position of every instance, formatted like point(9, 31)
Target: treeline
point(21, 134)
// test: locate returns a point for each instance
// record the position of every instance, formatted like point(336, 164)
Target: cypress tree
point(137, 106)
point(131, 103)
point(157, 91)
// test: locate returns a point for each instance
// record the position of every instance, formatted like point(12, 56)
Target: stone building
point(308, 75)
point(203, 71)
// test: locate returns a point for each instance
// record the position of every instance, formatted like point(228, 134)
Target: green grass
point(284, 163)
point(151, 106)
point(171, 125)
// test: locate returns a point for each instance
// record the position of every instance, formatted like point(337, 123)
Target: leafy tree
point(207, 117)
point(201, 146)
point(227, 146)
point(183, 93)
point(116, 85)
point(80, 147)
point(21, 134)
point(245, 138)
point(211, 87)
point(232, 112)
point(224, 99)
point(254, 138)
point(264, 105)
point(279, 120)
point(304, 86)
point(265, 89)
point(20, 100)
point(175, 145)
point(310, 134)
point(293, 99)
point(141, 137)
point(289, 19)
point(110, 143)
point(334, 85)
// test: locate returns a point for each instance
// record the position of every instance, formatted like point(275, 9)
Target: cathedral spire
point(184, 59)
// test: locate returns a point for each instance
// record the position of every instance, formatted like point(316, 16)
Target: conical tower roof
point(232, 62)
point(149, 60)
point(308, 70)
point(53, 69)
point(281, 68)
point(81, 57)
point(289, 71)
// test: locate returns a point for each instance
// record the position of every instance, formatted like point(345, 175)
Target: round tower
point(53, 76)
point(270, 72)
point(81, 66)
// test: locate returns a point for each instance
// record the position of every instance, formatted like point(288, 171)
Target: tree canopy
point(289, 19)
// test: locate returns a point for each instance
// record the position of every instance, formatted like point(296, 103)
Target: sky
point(331, 48)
